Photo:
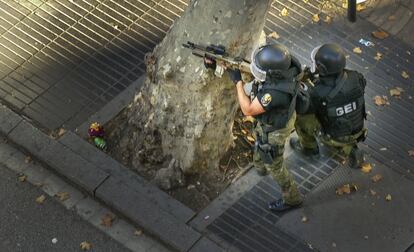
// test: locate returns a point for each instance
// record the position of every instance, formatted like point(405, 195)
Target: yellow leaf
point(63, 196)
point(305, 1)
point(106, 220)
point(284, 12)
point(244, 132)
point(22, 178)
point(366, 168)
point(388, 197)
point(273, 35)
point(85, 245)
point(315, 18)
point(346, 189)
point(381, 100)
point(396, 91)
point(361, 7)
point(357, 50)
point(380, 34)
point(41, 199)
point(405, 75)
point(376, 178)
point(373, 193)
point(378, 56)
point(328, 19)
point(251, 139)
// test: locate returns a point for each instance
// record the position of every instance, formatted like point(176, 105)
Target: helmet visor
point(258, 74)
point(313, 54)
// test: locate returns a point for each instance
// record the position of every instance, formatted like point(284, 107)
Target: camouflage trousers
point(308, 127)
point(277, 169)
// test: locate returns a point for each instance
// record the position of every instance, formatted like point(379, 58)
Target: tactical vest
point(342, 111)
point(277, 118)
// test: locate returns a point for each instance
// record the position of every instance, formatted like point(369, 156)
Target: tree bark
point(183, 111)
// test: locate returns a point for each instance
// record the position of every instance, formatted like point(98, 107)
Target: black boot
point(356, 158)
point(280, 205)
point(296, 145)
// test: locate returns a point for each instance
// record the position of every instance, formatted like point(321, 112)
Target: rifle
point(219, 54)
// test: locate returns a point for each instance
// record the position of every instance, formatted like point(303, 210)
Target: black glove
point(212, 64)
point(235, 75)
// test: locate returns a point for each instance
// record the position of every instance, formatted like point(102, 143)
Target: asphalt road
point(28, 226)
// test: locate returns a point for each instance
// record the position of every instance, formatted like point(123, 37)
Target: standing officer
point(337, 107)
point(272, 103)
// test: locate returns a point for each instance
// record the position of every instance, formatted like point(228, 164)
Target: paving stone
point(157, 221)
point(6, 151)
point(75, 196)
point(206, 245)
point(8, 119)
point(16, 161)
point(52, 185)
point(58, 156)
point(87, 208)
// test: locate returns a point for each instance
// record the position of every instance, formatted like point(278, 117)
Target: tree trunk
point(183, 111)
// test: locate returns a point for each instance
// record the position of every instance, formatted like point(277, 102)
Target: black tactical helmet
point(269, 57)
point(330, 59)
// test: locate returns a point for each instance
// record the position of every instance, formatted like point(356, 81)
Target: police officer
point(337, 111)
point(272, 103)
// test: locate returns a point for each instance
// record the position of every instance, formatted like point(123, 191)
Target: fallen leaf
point(138, 232)
point(22, 178)
point(251, 139)
point(357, 50)
point(405, 75)
point(106, 220)
point(38, 184)
point(54, 240)
point(346, 189)
point(85, 245)
point(41, 199)
point(305, 1)
point(284, 12)
point(333, 244)
point(361, 7)
point(248, 119)
point(392, 18)
point(315, 18)
point(304, 219)
point(28, 159)
point(366, 237)
point(411, 153)
point(383, 149)
point(396, 91)
point(380, 34)
point(273, 35)
point(378, 56)
point(328, 19)
point(366, 168)
point(63, 196)
point(373, 193)
point(388, 197)
point(61, 132)
point(376, 178)
point(381, 100)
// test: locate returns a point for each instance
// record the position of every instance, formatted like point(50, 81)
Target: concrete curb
point(109, 182)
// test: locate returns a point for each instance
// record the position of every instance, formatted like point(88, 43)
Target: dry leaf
point(85, 245)
point(284, 12)
point(328, 19)
point(388, 197)
point(244, 132)
point(304, 219)
point(361, 7)
point(396, 91)
point(28, 159)
point(248, 119)
point(373, 193)
point(305, 1)
point(138, 232)
point(381, 100)
point(376, 178)
point(357, 50)
point(61, 132)
point(346, 189)
point(366, 168)
point(251, 139)
point(63, 196)
point(392, 18)
point(41, 199)
point(405, 75)
point(315, 18)
point(411, 153)
point(22, 178)
point(378, 56)
point(106, 220)
point(380, 34)
point(273, 35)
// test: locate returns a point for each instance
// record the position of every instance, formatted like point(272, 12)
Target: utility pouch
point(265, 150)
